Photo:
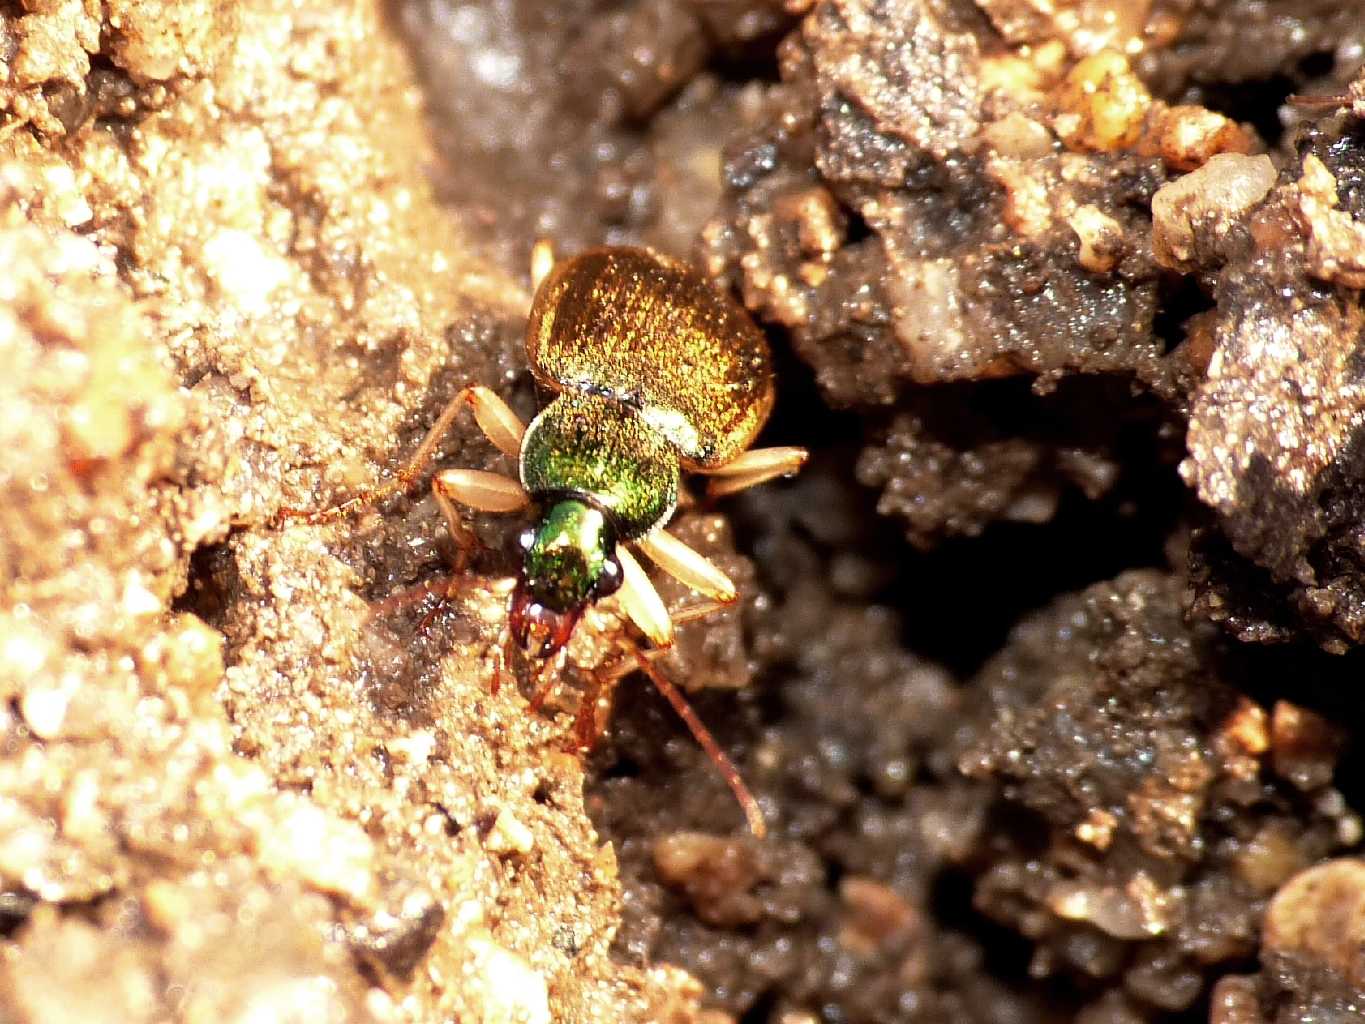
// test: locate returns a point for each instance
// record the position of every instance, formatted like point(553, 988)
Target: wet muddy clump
point(1044, 671)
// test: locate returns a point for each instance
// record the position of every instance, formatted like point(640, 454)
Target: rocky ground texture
point(1046, 671)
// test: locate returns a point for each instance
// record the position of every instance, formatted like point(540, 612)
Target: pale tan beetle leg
point(642, 602)
point(753, 468)
point(484, 492)
point(680, 617)
point(498, 422)
point(700, 610)
point(496, 419)
point(687, 566)
point(542, 262)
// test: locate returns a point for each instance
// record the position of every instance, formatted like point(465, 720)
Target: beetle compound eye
point(609, 582)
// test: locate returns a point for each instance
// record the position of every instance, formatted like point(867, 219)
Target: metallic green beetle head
point(569, 561)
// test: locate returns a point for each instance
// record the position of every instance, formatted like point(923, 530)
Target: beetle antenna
point(752, 813)
point(404, 599)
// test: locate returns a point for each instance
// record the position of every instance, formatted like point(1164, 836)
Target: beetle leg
point(542, 262)
point(466, 540)
point(695, 612)
point(405, 599)
point(689, 567)
point(755, 467)
point(680, 617)
point(546, 681)
point(1328, 102)
point(485, 492)
point(497, 421)
point(502, 660)
point(642, 602)
point(587, 720)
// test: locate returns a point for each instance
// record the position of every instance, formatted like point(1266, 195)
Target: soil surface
point(1045, 671)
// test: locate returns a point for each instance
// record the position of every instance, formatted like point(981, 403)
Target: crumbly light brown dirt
point(227, 288)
